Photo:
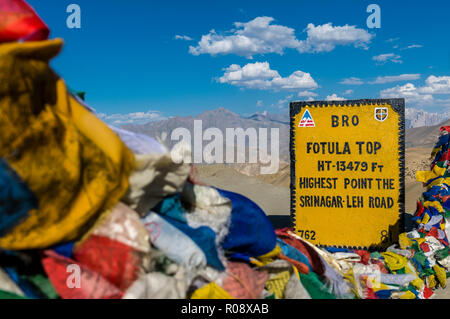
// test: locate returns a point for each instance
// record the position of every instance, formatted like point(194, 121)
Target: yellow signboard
point(347, 172)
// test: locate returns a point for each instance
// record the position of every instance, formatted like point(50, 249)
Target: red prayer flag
point(18, 21)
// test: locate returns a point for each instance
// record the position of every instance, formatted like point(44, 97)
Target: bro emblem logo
point(381, 113)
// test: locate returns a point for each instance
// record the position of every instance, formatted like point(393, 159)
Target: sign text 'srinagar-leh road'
point(347, 171)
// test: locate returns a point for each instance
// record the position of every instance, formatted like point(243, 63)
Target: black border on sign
point(398, 105)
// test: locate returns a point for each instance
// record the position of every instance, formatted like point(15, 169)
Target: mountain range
point(418, 118)
point(223, 118)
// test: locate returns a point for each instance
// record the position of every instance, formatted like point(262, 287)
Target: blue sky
point(259, 57)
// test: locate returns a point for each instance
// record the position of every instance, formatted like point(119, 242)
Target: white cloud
point(285, 102)
point(348, 92)
point(297, 80)
point(258, 36)
point(444, 103)
point(395, 78)
point(306, 94)
point(392, 39)
point(383, 58)
point(412, 46)
point(260, 76)
point(261, 36)
point(324, 38)
point(411, 94)
point(183, 37)
point(423, 95)
point(131, 118)
point(305, 98)
point(334, 97)
point(436, 85)
point(352, 81)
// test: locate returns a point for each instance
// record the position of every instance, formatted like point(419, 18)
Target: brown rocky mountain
point(220, 118)
point(425, 136)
